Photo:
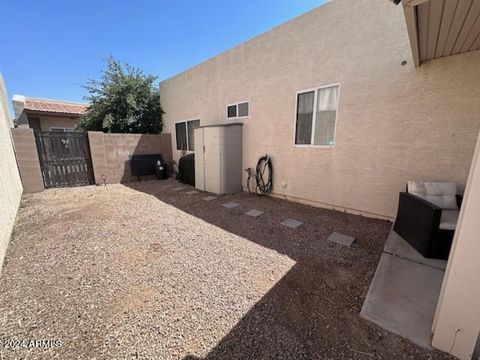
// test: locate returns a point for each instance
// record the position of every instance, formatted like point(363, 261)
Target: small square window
point(243, 109)
point(232, 111)
point(238, 110)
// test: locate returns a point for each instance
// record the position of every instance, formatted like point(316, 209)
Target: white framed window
point(61, 129)
point(184, 134)
point(57, 129)
point(316, 116)
point(238, 110)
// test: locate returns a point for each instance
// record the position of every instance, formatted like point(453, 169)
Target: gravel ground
point(141, 271)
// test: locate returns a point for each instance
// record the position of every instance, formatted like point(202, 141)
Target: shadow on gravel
point(312, 312)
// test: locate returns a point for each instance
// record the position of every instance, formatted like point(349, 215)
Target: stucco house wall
point(457, 321)
point(394, 123)
point(45, 122)
point(10, 184)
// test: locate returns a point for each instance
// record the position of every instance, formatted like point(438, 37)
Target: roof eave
point(410, 14)
point(52, 113)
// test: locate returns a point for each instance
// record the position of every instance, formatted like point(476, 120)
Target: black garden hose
point(264, 187)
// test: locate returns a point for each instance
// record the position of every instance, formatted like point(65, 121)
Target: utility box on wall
point(218, 158)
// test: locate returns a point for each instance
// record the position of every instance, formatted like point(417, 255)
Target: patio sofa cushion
point(441, 194)
point(448, 219)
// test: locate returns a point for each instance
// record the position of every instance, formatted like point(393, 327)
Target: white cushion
point(448, 220)
point(441, 194)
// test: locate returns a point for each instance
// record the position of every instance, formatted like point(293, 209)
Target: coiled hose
point(264, 181)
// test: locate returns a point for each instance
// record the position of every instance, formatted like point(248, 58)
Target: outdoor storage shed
point(218, 158)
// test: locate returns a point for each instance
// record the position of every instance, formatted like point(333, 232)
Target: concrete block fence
point(27, 160)
point(110, 155)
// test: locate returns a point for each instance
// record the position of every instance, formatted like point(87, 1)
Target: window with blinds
point(316, 116)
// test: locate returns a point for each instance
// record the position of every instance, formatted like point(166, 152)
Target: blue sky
point(51, 47)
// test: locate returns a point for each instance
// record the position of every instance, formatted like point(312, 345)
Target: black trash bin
point(186, 169)
point(161, 170)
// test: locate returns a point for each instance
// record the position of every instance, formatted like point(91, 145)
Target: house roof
point(50, 105)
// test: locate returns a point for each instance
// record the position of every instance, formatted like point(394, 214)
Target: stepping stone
point(178, 188)
point(292, 223)
point(254, 213)
point(231, 205)
point(341, 239)
point(209, 198)
point(193, 192)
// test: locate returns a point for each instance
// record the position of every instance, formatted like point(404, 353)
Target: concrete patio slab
point(231, 205)
point(209, 198)
point(341, 239)
point(291, 223)
point(397, 246)
point(192, 192)
point(254, 212)
point(403, 297)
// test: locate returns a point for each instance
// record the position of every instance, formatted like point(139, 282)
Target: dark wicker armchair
point(427, 217)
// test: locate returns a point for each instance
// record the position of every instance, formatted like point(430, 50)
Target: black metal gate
point(64, 158)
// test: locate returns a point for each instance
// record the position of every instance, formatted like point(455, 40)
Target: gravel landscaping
point(145, 271)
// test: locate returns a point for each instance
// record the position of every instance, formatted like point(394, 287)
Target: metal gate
point(64, 158)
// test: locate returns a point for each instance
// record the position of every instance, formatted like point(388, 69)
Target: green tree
point(123, 100)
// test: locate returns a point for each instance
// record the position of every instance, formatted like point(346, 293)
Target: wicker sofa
point(427, 217)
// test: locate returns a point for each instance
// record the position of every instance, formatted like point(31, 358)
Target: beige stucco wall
point(10, 184)
point(457, 322)
point(46, 122)
point(111, 153)
point(395, 123)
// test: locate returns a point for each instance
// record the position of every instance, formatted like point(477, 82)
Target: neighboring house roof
point(23, 105)
point(49, 105)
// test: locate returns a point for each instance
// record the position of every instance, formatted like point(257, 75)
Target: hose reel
point(263, 177)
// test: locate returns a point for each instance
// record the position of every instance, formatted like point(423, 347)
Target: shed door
point(212, 143)
point(199, 159)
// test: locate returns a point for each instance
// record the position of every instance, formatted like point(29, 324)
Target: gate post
point(27, 160)
point(96, 142)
